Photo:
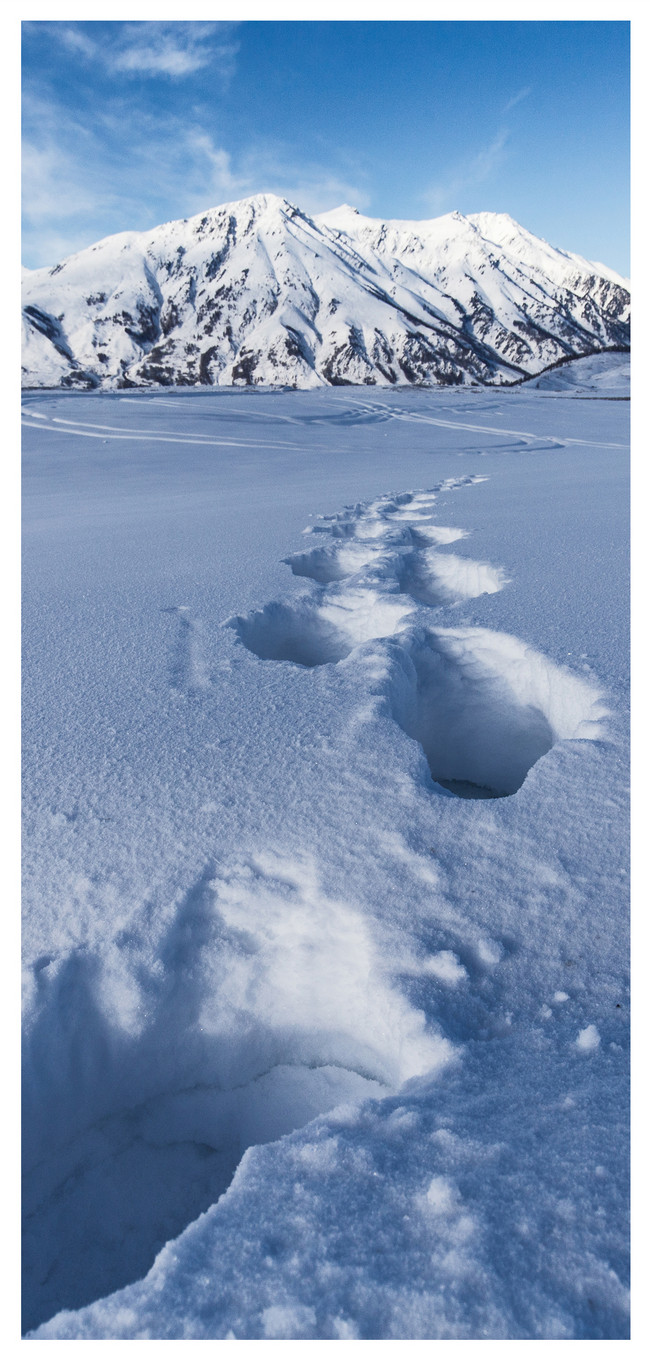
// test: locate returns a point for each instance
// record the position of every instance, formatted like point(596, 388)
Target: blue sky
point(130, 124)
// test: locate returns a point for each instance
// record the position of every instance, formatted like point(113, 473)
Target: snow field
point(251, 903)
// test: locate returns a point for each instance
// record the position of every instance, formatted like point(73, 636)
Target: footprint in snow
point(483, 706)
point(188, 670)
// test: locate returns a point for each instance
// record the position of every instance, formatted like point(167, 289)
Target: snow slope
point(257, 292)
point(325, 860)
point(604, 375)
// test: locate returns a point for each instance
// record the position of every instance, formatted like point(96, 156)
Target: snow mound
point(600, 374)
point(265, 1004)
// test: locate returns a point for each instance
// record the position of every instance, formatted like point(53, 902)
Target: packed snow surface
point(257, 292)
point(325, 938)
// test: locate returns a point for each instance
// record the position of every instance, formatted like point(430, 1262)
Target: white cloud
point(219, 176)
point(82, 187)
point(134, 162)
point(172, 49)
point(48, 185)
point(156, 49)
point(55, 150)
point(270, 168)
point(76, 40)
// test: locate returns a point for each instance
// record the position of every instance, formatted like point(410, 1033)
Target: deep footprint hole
point(282, 633)
point(485, 708)
point(129, 1137)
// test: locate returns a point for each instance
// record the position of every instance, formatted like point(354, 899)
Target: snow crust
point(325, 939)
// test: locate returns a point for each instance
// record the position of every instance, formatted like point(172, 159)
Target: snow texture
point(325, 940)
point(257, 292)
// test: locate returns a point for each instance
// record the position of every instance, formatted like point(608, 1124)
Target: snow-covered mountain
point(257, 292)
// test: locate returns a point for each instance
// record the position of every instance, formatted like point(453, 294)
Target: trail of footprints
point(483, 705)
point(145, 1082)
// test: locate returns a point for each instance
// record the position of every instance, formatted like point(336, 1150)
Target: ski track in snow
point(524, 436)
point(357, 412)
point(93, 431)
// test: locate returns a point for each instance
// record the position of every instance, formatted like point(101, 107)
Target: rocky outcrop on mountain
point(257, 292)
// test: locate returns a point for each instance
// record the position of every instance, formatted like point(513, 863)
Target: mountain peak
point(256, 291)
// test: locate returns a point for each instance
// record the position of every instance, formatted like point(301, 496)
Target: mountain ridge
point(258, 292)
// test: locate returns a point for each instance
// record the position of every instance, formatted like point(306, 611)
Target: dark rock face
point(48, 326)
point(257, 292)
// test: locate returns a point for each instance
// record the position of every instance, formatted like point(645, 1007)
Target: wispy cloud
point(80, 186)
point(57, 151)
point(118, 152)
point(473, 171)
point(173, 49)
point(52, 187)
point(516, 99)
point(269, 168)
point(145, 48)
point(75, 40)
point(215, 165)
